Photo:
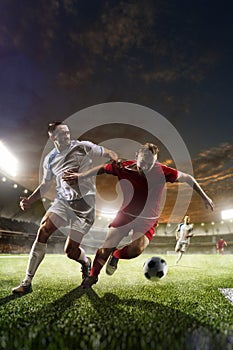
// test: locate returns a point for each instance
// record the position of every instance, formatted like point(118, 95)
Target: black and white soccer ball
point(155, 268)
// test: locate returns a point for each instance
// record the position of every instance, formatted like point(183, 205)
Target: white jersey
point(183, 230)
point(78, 157)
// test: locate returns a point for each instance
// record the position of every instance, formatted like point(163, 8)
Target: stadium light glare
point(227, 214)
point(8, 163)
point(109, 214)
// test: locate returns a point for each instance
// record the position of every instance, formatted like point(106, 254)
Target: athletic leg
point(48, 225)
point(129, 251)
point(134, 249)
point(113, 238)
point(179, 257)
point(72, 247)
point(182, 250)
point(75, 252)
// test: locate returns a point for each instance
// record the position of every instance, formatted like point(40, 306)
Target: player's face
point(145, 160)
point(61, 136)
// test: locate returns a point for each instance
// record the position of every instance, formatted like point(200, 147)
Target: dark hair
point(150, 146)
point(52, 126)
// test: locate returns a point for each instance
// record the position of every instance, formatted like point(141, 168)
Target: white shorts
point(181, 246)
point(79, 214)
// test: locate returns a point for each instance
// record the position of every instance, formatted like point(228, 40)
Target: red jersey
point(142, 192)
point(220, 243)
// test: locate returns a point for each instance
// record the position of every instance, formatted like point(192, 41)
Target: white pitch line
point(228, 293)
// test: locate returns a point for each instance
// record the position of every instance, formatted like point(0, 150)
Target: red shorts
point(137, 224)
point(220, 246)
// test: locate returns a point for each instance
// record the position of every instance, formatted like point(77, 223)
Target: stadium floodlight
point(8, 163)
point(109, 214)
point(227, 214)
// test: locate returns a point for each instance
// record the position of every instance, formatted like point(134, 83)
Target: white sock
point(82, 257)
point(37, 254)
point(179, 257)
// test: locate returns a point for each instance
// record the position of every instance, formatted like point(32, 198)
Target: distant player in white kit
point(74, 206)
point(183, 234)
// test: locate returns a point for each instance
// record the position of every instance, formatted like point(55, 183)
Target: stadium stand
point(18, 229)
point(17, 237)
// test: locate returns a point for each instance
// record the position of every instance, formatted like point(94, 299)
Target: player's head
point(147, 156)
point(59, 133)
point(187, 219)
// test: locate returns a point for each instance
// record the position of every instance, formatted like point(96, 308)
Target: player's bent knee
point(44, 233)
point(72, 250)
point(136, 251)
point(104, 252)
point(69, 252)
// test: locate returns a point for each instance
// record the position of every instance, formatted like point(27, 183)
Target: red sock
point(98, 263)
point(121, 253)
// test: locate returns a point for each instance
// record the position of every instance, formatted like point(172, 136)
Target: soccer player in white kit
point(74, 206)
point(183, 234)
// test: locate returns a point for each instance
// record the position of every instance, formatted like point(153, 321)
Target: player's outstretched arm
point(72, 177)
point(191, 181)
point(110, 154)
point(25, 202)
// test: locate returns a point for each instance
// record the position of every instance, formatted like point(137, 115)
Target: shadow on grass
point(7, 299)
point(136, 317)
point(11, 297)
point(66, 300)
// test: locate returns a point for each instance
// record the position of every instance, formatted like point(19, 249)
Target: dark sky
point(174, 57)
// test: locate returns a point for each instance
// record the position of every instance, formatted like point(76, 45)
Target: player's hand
point(71, 177)
point(189, 235)
point(24, 203)
point(208, 203)
point(118, 163)
point(113, 155)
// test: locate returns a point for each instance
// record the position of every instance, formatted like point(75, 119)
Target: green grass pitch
point(185, 310)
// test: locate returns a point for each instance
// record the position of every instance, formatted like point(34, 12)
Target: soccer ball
point(155, 268)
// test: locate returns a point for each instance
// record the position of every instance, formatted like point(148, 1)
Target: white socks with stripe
point(37, 254)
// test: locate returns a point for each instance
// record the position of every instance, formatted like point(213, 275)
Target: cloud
point(214, 162)
point(213, 169)
point(149, 39)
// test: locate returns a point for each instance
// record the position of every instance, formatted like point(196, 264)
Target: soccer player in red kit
point(142, 182)
point(220, 245)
